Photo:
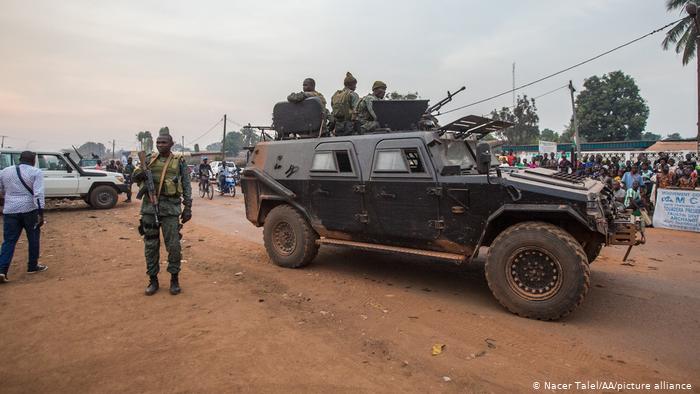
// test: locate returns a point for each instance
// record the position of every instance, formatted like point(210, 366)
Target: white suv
point(63, 178)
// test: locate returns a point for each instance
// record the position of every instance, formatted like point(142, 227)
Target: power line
point(208, 131)
point(566, 69)
point(233, 122)
point(541, 95)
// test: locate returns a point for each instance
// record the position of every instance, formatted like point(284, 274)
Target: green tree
point(146, 140)
point(250, 137)
point(196, 147)
point(682, 35)
point(234, 142)
point(214, 147)
point(399, 96)
point(89, 149)
point(610, 108)
point(674, 136)
point(649, 136)
point(549, 135)
point(525, 119)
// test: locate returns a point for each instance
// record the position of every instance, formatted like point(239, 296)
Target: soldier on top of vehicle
point(308, 90)
point(344, 106)
point(365, 113)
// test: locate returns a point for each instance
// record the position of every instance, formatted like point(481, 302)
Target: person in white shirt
point(23, 189)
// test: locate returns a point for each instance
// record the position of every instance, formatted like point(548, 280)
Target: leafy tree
point(674, 136)
point(525, 118)
point(196, 147)
point(649, 136)
point(567, 136)
point(682, 34)
point(180, 148)
point(214, 147)
point(399, 96)
point(610, 108)
point(234, 142)
point(146, 140)
point(89, 149)
point(250, 137)
point(549, 135)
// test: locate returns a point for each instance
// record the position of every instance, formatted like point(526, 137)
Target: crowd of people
point(633, 181)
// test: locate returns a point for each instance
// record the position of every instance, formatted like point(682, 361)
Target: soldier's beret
point(349, 79)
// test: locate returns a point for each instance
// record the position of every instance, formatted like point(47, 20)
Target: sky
point(82, 70)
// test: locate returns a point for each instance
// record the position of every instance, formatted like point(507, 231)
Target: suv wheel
point(103, 197)
point(289, 239)
point(537, 270)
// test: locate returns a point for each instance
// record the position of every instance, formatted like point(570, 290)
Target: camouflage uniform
point(344, 105)
point(366, 115)
point(176, 190)
point(301, 96)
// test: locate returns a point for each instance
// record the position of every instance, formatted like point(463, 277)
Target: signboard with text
point(677, 209)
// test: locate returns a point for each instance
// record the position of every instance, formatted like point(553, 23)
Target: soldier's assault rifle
point(150, 186)
point(441, 103)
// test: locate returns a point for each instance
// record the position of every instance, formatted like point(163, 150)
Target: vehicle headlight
point(120, 179)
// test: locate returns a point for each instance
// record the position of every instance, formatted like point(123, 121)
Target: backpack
point(341, 105)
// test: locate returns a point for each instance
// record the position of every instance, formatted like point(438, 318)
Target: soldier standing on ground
point(344, 106)
point(128, 172)
point(365, 113)
point(172, 184)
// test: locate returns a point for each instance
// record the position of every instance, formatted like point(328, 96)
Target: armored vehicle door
point(401, 198)
point(336, 188)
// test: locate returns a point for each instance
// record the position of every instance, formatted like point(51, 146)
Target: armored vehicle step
point(458, 258)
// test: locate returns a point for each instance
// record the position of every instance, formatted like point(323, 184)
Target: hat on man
point(349, 79)
point(378, 85)
point(164, 131)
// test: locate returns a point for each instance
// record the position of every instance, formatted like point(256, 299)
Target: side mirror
point(483, 157)
point(69, 169)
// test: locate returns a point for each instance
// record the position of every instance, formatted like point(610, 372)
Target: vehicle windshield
point(456, 153)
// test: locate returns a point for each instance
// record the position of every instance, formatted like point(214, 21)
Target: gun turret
point(441, 103)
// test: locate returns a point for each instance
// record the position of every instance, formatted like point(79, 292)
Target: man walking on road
point(23, 186)
point(128, 173)
point(172, 183)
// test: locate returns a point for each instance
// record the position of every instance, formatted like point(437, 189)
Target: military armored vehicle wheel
point(592, 250)
point(103, 197)
point(537, 270)
point(289, 239)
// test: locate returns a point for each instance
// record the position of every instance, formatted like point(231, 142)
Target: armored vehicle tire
point(103, 197)
point(289, 239)
point(537, 270)
point(592, 249)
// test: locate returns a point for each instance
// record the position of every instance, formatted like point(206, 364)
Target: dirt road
point(350, 322)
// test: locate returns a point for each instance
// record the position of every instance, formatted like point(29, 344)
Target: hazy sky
point(73, 71)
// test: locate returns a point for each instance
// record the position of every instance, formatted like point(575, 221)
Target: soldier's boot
point(175, 285)
point(152, 286)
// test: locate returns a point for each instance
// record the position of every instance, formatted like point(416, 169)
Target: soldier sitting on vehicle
point(365, 113)
point(309, 90)
point(344, 106)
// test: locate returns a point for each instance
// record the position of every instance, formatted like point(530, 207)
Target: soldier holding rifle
point(164, 181)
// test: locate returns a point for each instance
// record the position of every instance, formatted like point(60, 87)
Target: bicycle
point(205, 188)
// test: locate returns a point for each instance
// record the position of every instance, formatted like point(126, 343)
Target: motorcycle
point(228, 186)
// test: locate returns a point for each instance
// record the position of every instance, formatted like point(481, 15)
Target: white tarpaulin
point(677, 209)
point(548, 147)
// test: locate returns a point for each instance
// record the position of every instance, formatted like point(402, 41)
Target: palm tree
point(683, 34)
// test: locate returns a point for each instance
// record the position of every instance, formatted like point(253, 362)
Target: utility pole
point(223, 142)
point(574, 124)
point(113, 143)
point(692, 10)
point(182, 147)
point(2, 145)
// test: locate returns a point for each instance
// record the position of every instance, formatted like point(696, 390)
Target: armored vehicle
point(436, 193)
